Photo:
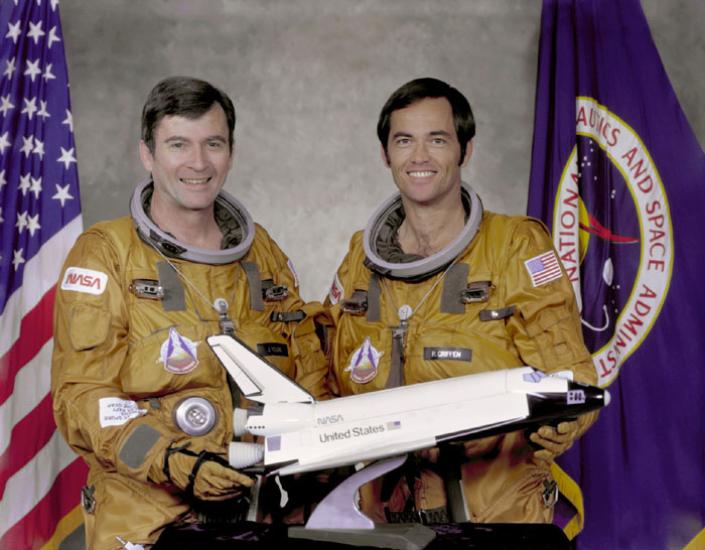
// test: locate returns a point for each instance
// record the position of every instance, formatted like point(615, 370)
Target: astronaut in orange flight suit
point(137, 392)
point(436, 287)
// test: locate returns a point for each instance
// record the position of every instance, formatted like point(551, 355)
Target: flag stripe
point(33, 481)
point(47, 263)
point(548, 275)
point(39, 524)
point(35, 331)
point(28, 436)
point(33, 382)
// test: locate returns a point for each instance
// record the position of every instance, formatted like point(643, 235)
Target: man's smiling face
point(423, 151)
point(190, 161)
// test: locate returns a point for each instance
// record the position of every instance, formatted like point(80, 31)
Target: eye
point(216, 144)
point(402, 141)
point(177, 145)
point(439, 141)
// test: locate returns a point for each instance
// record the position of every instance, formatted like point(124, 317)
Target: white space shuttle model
point(302, 434)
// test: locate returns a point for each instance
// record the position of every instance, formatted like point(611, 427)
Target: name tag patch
point(273, 348)
point(447, 354)
point(80, 279)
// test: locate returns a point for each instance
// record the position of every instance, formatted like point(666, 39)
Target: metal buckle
point(478, 291)
point(88, 498)
point(287, 316)
point(147, 288)
point(550, 493)
point(356, 304)
point(275, 293)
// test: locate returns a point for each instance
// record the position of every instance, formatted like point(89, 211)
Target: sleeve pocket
point(89, 326)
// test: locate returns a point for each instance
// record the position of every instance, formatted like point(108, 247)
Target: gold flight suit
point(515, 323)
point(123, 362)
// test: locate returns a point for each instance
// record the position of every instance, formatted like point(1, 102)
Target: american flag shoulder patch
point(543, 268)
point(336, 290)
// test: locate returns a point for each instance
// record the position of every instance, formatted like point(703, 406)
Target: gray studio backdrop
point(308, 78)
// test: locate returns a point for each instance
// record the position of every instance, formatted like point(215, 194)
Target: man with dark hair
point(136, 390)
point(186, 97)
point(437, 287)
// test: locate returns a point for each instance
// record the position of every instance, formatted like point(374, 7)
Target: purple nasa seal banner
point(619, 177)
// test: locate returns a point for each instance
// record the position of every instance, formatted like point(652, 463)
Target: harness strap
point(174, 299)
point(254, 281)
point(454, 284)
point(373, 294)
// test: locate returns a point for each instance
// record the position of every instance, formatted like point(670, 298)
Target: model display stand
point(337, 518)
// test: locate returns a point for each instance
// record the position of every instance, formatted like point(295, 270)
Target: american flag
point(40, 217)
point(543, 268)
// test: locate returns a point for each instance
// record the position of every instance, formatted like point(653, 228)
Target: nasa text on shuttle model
point(302, 434)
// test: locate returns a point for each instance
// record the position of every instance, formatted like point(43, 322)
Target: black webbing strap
point(201, 457)
point(396, 370)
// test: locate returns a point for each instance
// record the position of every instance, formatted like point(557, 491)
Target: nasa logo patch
point(80, 279)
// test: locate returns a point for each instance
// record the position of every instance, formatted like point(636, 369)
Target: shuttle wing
point(257, 379)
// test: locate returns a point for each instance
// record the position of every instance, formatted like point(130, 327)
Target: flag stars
point(36, 187)
point(48, 75)
point(62, 194)
point(25, 183)
point(1, 220)
point(67, 157)
point(38, 148)
point(32, 69)
point(54, 3)
point(3, 181)
point(33, 224)
point(21, 223)
point(68, 120)
point(6, 104)
point(43, 111)
point(9, 67)
point(27, 145)
point(4, 143)
point(30, 107)
point(52, 37)
point(35, 31)
point(13, 31)
point(18, 260)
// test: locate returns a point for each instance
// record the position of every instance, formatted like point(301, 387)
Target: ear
point(146, 156)
point(385, 158)
point(468, 152)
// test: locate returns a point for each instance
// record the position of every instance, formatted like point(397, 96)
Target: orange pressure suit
point(481, 311)
point(127, 354)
